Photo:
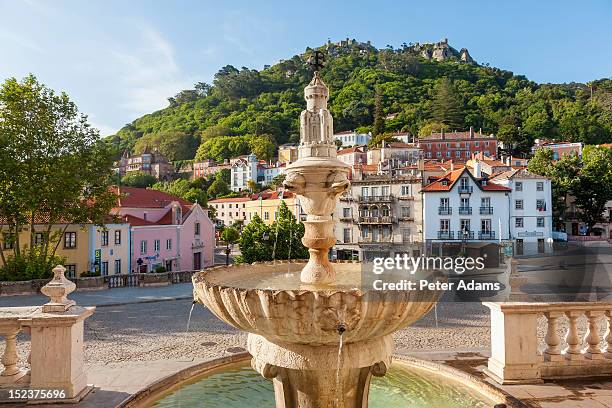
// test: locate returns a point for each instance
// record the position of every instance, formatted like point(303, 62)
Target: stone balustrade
point(56, 360)
point(517, 356)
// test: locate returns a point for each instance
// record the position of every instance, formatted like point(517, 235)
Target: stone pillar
point(307, 376)
point(514, 344)
point(57, 360)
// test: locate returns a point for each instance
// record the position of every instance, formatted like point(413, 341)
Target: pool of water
point(403, 387)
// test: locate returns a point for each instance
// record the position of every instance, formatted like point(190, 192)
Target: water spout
point(341, 328)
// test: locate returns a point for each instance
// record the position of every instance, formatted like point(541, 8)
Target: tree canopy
point(244, 103)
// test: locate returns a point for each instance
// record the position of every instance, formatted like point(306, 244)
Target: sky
point(121, 59)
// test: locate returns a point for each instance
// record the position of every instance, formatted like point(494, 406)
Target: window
point(444, 202)
point(486, 144)
point(463, 183)
point(385, 212)
point(485, 225)
point(70, 270)
point(386, 191)
point(485, 202)
point(406, 235)
point(448, 154)
point(540, 186)
point(117, 237)
point(156, 245)
point(104, 269)
point(467, 154)
point(444, 225)
point(406, 190)
point(406, 212)
point(518, 222)
point(9, 241)
point(197, 228)
point(458, 144)
point(168, 244)
point(70, 239)
point(541, 205)
point(346, 235)
point(39, 238)
point(518, 186)
point(104, 238)
point(465, 203)
point(540, 221)
point(458, 154)
point(117, 266)
point(346, 212)
point(464, 225)
point(143, 247)
point(518, 204)
point(365, 191)
point(266, 215)
point(476, 143)
point(438, 154)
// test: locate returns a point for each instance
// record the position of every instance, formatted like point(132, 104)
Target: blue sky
point(121, 59)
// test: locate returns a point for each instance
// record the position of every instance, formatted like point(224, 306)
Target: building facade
point(287, 153)
point(559, 149)
point(109, 248)
point(379, 216)
point(230, 210)
point(530, 218)
point(462, 207)
point(267, 203)
point(459, 146)
point(351, 138)
point(149, 162)
point(208, 168)
point(166, 231)
point(245, 169)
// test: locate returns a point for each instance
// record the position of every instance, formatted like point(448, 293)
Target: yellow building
point(287, 153)
point(267, 206)
point(78, 244)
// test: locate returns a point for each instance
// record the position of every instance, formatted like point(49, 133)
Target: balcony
point(376, 199)
point(486, 235)
point(446, 235)
point(445, 210)
point(464, 234)
point(376, 220)
point(378, 240)
point(346, 219)
point(486, 210)
point(405, 218)
point(465, 210)
point(466, 189)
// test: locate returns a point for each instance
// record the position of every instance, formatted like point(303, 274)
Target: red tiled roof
point(146, 198)
point(452, 177)
point(456, 136)
point(136, 221)
point(353, 149)
point(345, 132)
point(271, 195)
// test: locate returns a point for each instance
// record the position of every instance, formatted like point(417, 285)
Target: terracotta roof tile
point(452, 177)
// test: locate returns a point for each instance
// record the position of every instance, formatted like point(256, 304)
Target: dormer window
point(445, 182)
point(483, 182)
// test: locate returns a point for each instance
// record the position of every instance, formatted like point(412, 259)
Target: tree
point(230, 235)
point(447, 105)
point(138, 179)
point(432, 127)
point(173, 145)
point(255, 245)
point(287, 235)
point(379, 120)
point(218, 188)
point(185, 189)
point(594, 187)
point(54, 170)
point(263, 147)
point(377, 141)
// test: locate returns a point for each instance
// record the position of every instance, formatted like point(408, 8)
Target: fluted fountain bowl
point(269, 299)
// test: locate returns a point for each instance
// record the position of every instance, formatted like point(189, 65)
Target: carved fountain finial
point(318, 178)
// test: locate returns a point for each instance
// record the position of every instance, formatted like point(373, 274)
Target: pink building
point(166, 231)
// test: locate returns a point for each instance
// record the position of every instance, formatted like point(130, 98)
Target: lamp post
point(228, 251)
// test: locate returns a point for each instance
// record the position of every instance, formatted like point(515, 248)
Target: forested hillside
point(248, 110)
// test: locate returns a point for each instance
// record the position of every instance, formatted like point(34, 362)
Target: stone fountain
point(312, 327)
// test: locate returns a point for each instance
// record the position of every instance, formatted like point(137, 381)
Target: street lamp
point(228, 251)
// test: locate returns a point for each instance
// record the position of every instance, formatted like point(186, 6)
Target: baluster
point(553, 349)
point(592, 338)
point(572, 352)
point(608, 337)
point(10, 358)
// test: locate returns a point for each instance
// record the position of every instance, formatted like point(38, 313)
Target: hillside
point(420, 87)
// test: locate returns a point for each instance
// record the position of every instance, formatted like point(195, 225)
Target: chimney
point(477, 169)
point(443, 135)
point(471, 132)
point(452, 165)
point(480, 132)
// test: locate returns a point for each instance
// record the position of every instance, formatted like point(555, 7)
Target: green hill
point(417, 93)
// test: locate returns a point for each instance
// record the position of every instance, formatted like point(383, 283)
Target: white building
point(271, 171)
point(350, 138)
point(530, 208)
point(462, 207)
point(245, 169)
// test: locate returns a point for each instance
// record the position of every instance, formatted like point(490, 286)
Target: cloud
point(148, 72)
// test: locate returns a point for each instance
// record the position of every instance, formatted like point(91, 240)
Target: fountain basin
point(413, 383)
point(269, 300)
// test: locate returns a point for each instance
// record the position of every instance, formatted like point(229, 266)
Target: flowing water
point(403, 387)
point(339, 385)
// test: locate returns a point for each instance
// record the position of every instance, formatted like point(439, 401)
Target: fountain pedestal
point(317, 376)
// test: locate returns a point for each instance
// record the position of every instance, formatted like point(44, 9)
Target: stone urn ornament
point(58, 289)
